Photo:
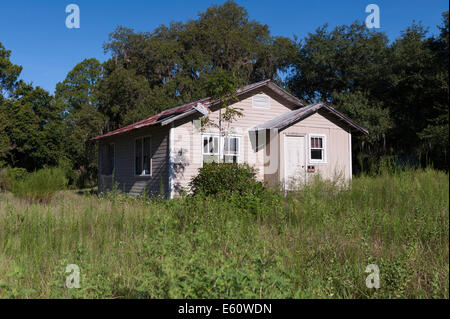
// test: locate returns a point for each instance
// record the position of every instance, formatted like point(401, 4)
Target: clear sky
point(35, 30)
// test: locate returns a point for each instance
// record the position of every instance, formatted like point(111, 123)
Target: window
point(108, 159)
point(210, 149)
point(230, 149)
point(317, 149)
point(261, 101)
point(142, 157)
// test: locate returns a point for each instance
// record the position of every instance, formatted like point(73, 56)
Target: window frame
point(324, 149)
point(221, 142)
point(208, 135)
point(238, 151)
point(261, 107)
point(113, 161)
point(142, 156)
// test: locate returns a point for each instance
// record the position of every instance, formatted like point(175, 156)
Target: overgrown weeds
point(309, 244)
point(39, 186)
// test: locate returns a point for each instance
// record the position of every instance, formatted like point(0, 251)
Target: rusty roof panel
point(153, 120)
point(187, 109)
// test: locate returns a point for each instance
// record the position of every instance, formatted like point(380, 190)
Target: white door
point(294, 160)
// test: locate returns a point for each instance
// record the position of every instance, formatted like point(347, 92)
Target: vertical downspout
point(171, 168)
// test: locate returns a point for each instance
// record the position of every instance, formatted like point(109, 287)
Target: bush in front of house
point(236, 184)
point(226, 179)
point(40, 185)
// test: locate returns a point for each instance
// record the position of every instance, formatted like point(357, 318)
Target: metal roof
point(280, 122)
point(294, 116)
point(159, 118)
point(182, 111)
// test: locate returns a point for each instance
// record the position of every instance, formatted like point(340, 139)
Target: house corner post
point(350, 155)
point(171, 160)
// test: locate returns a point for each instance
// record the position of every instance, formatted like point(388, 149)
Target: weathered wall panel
point(124, 175)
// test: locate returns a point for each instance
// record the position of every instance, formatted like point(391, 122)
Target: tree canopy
point(397, 89)
point(173, 64)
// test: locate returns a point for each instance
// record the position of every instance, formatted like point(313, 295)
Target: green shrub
point(10, 174)
point(4, 180)
point(40, 185)
point(66, 165)
point(226, 179)
point(17, 173)
point(237, 185)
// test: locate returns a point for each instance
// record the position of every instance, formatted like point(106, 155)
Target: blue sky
point(36, 34)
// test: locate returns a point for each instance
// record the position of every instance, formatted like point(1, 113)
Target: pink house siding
point(187, 142)
point(177, 141)
point(188, 137)
point(337, 146)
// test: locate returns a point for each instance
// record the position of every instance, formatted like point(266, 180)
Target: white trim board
point(171, 160)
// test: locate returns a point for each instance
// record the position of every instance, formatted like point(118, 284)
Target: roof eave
point(303, 115)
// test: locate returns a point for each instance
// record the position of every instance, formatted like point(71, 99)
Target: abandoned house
point(284, 139)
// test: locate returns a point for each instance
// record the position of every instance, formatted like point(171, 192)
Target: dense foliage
point(397, 89)
point(233, 183)
point(315, 243)
point(38, 186)
point(225, 179)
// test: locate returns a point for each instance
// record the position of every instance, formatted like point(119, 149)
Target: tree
point(5, 141)
point(31, 124)
point(9, 72)
point(79, 87)
point(436, 133)
point(347, 67)
point(78, 96)
point(222, 87)
point(172, 64)
point(35, 127)
point(123, 97)
point(398, 90)
point(346, 59)
point(410, 80)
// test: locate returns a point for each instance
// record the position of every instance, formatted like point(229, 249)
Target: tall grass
point(40, 185)
point(314, 243)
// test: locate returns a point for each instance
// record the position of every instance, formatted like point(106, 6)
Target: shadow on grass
point(87, 191)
